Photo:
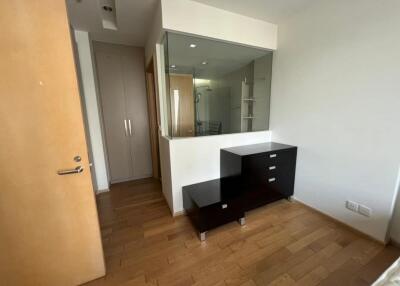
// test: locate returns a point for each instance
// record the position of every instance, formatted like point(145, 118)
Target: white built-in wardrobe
point(121, 76)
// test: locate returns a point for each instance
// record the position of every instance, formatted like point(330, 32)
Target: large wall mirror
point(215, 87)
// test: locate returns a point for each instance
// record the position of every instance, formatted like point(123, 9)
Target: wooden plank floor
point(281, 244)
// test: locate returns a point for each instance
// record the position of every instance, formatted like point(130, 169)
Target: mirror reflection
point(216, 87)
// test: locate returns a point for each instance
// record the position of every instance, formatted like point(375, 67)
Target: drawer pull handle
point(271, 180)
point(224, 206)
point(272, 155)
point(272, 167)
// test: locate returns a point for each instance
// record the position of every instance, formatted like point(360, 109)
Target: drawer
point(282, 183)
point(281, 157)
point(278, 170)
point(219, 214)
point(272, 159)
point(261, 175)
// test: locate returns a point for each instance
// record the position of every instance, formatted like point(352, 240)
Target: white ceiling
point(134, 20)
point(273, 11)
point(135, 17)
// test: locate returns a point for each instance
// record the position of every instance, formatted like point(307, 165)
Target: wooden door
point(182, 105)
point(49, 230)
point(112, 89)
point(153, 121)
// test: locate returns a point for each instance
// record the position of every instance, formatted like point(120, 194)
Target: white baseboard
point(179, 213)
point(102, 191)
point(385, 242)
point(132, 179)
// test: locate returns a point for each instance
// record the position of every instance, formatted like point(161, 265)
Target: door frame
point(153, 118)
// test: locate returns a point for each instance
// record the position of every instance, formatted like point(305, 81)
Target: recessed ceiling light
point(173, 66)
point(204, 63)
point(192, 45)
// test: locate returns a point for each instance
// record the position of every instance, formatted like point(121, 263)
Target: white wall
point(155, 35)
point(197, 159)
point(336, 95)
point(165, 164)
point(190, 17)
point(88, 78)
point(196, 18)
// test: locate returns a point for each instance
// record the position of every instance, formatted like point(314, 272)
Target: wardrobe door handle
point(130, 127)
point(126, 128)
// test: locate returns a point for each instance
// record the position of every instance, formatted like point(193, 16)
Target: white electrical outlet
point(365, 211)
point(352, 206)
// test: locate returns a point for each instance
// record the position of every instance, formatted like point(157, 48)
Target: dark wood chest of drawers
point(266, 171)
point(251, 176)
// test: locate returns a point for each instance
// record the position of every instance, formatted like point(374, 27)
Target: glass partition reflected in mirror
point(216, 87)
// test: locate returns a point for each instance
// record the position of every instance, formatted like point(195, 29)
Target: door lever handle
point(77, 170)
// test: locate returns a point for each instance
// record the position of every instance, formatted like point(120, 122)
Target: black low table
point(213, 203)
